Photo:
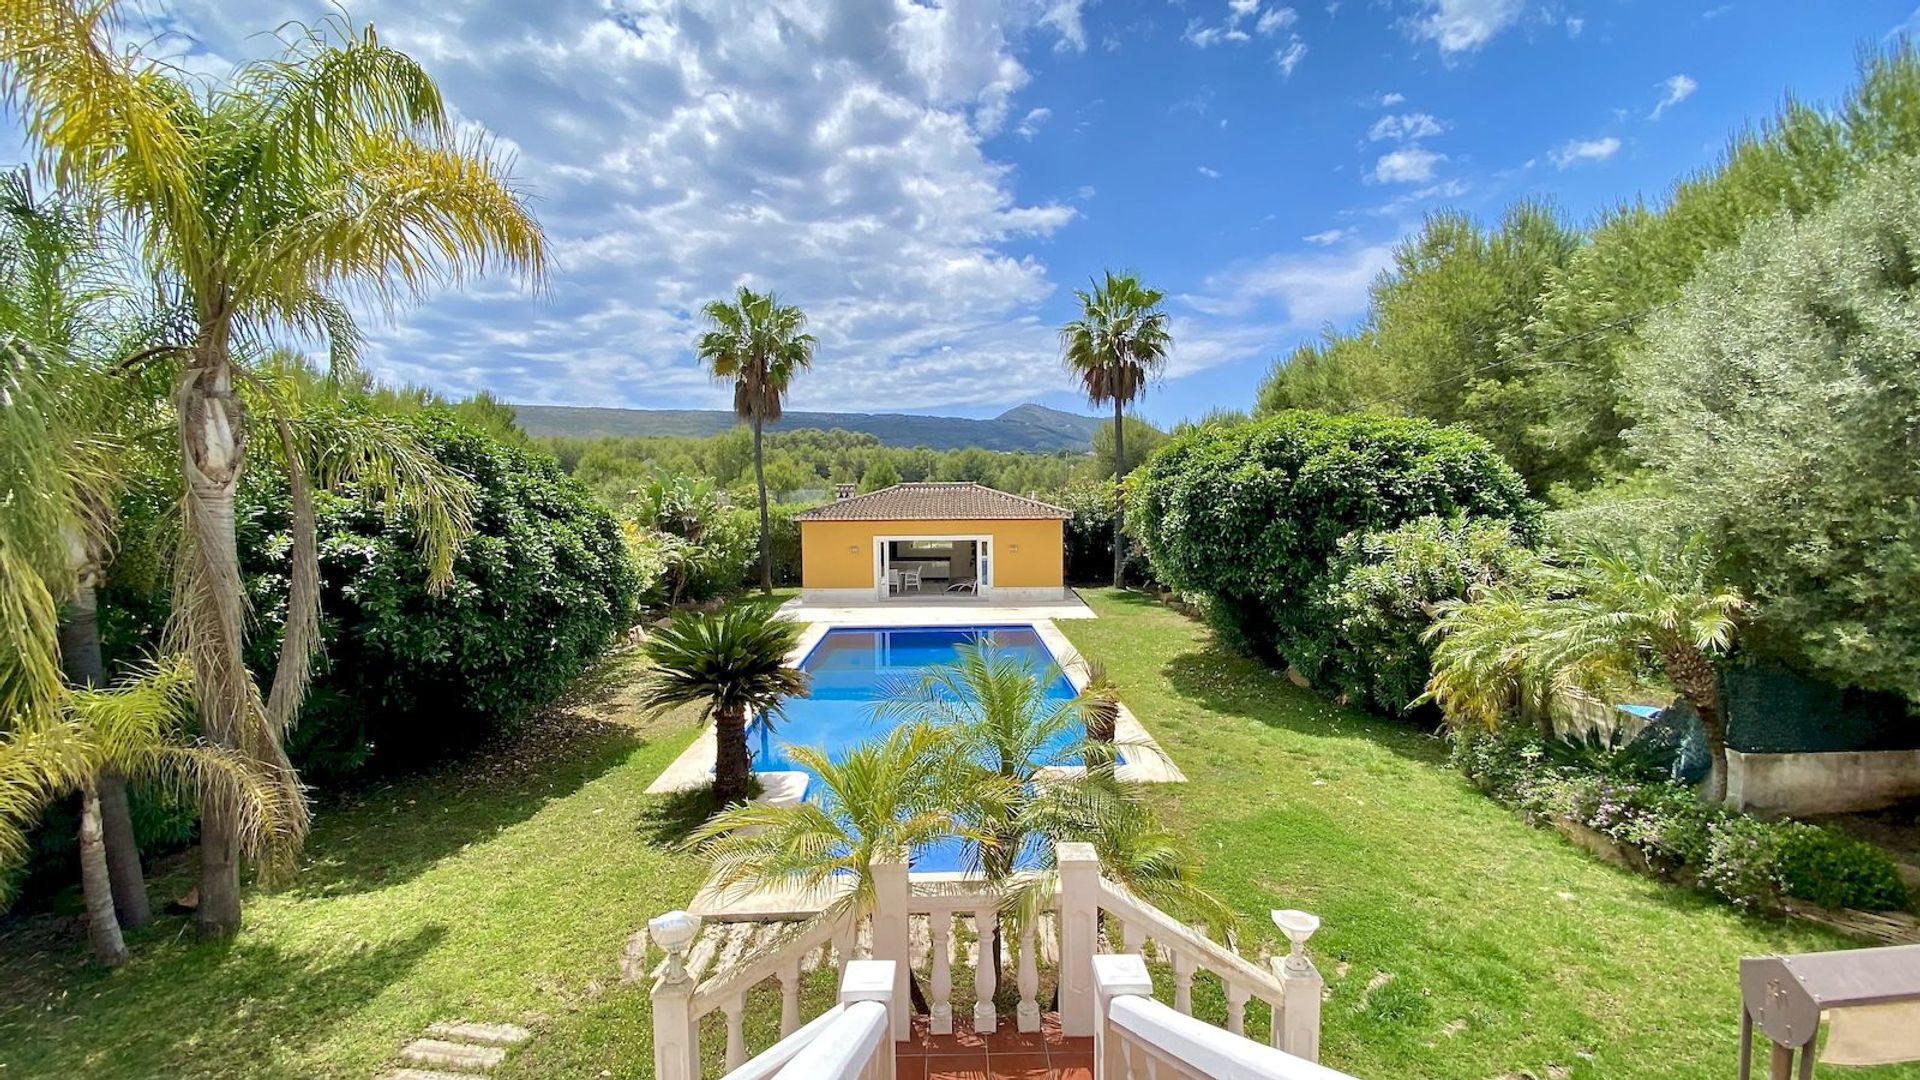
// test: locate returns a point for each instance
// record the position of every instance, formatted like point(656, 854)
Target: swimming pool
point(853, 669)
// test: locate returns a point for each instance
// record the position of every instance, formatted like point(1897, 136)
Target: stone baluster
point(1182, 981)
point(985, 920)
point(940, 930)
point(1027, 978)
point(1237, 1008)
point(789, 998)
point(735, 1010)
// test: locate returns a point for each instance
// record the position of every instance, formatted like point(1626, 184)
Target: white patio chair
point(964, 585)
point(910, 579)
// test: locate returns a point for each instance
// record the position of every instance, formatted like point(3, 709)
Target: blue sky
point(931, 183)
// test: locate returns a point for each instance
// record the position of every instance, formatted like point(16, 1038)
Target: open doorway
point(926, 567)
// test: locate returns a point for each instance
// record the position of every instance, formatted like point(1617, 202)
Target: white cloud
point(1211, 174)
point(1389, 100)
point(1204, 36)
point(1274, 20)
point(1326, 237)
point(1575, 26)
point(825, 150)
point(1465, 25)
point(1678, 89)
point(1289, 58)
point(1405, 127)
point(1584, 151)
point(1030, 124)
point(1233, 29)
point(1309, 289)
point(1064, 17)
point(1407, 165)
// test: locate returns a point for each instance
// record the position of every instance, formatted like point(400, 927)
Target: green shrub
point(1777, 400)
point(539, 590)
point(1370, 610)
point(1251, 516)
point(1835, 870)
point(1746, 861)
point(542, 587)
point(1088, 535)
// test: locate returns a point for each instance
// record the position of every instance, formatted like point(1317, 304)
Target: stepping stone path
point(458, 1050)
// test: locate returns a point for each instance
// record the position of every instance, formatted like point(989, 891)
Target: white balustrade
point(1291, 989)
point(1138, 1038)
point(851, 1041)
point(743, 956)
point(986, 923)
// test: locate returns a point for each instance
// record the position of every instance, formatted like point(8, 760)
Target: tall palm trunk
point(1692, 674)
point(103, 927)
point(1119, 500)
point(760, 481)
point(732, 765)
point(211, 604)
point(80, 659)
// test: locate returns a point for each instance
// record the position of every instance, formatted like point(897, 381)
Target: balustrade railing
point(940, 924)
point(851, 1041)
point(1139, 1038)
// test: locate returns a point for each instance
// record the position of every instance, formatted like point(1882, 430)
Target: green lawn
point(503, 889)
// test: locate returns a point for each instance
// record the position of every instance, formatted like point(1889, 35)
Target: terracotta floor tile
point(1077, 1044)
point(962, 1041)
point(1072, 1071)
point(1017, 1066)
point(910, 1068)
point(967, 1067)
point(1008, 1040)
point(910, 1048)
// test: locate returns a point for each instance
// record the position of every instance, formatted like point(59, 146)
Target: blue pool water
point(854, 669)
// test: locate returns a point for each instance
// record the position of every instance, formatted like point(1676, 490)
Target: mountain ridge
point(1030, 427)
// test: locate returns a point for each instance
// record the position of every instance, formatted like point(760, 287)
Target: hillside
point(1023, 427)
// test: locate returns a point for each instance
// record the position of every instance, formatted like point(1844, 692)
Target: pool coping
point(1146, 762)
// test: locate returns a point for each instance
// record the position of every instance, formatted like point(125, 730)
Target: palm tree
point(760, 344)
point(1024, 776)
point(888, 798)
point(258, 202)
point(69, 312)
point(1593, 622)
point(1118, 343)
point(138, 728)
point(733, 663)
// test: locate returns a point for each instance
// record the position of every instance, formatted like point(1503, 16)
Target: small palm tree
point(1593, 622)
point(734, 664)
point(1114, 348)
point(140, 729)
point(260, 201)
point(885, 799)
point(1023, 777)
point(760, 344)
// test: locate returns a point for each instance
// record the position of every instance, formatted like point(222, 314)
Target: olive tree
point(1780, 401)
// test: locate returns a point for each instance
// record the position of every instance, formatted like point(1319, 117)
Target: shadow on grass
point(193, 1008)
point(389, 833)
point(1220, 680)
point(667, 819)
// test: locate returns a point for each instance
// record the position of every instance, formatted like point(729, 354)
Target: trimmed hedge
point(1248, 518)
point(1747, 861)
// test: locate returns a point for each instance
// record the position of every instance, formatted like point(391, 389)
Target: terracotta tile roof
point(934, 502)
